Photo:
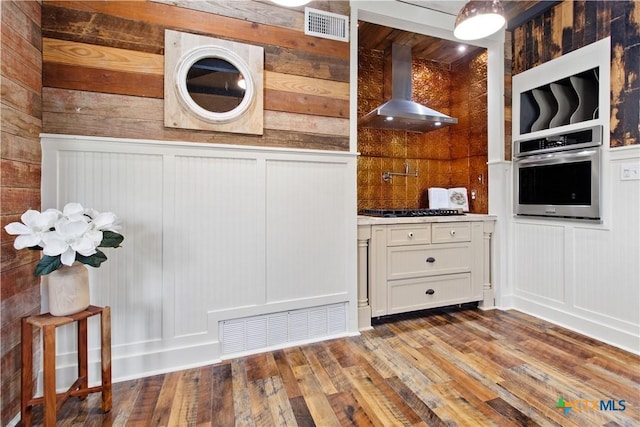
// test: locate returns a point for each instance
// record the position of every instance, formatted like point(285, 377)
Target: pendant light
point(479, 19)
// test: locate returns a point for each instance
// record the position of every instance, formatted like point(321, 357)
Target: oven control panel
point(583, 138)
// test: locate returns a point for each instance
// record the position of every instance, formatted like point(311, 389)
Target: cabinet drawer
point(448, 232)
point(408, 234)
point(422, 260)
point(428, 292)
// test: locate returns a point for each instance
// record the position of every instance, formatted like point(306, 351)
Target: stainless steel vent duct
point(400, 112)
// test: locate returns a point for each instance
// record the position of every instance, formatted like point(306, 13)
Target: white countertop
point(374, 220)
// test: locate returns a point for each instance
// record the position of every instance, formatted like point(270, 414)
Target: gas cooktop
point(400, 213)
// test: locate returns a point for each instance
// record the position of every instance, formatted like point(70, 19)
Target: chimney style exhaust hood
point(400, 112)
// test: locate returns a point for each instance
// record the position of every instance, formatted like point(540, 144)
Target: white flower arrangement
point(75, 234)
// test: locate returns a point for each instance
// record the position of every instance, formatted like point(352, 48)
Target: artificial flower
point(34, 225)
point(68, 236)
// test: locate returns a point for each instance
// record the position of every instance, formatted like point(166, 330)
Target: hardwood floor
point(462, 367)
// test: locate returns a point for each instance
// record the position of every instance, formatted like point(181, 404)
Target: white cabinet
point(424, 265)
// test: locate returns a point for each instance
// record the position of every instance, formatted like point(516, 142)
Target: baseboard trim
point(623, 339)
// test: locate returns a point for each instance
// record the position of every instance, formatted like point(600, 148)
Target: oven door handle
point(561, 157)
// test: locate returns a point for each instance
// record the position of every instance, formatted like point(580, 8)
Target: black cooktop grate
point(402, 213)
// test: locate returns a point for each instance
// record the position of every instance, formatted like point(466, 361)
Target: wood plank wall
point(573, 24)
point(20, 104)
point(103, 66)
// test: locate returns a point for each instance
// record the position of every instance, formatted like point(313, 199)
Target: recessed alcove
point(455, 156)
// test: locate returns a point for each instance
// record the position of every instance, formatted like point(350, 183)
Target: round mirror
point(214, 83)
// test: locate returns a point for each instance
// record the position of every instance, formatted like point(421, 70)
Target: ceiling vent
point(326, 24)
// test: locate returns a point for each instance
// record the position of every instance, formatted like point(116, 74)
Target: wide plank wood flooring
point(448, 367)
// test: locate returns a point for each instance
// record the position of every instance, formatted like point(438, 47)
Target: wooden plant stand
point(80, 388)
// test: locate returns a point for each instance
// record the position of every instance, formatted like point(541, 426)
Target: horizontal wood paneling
point(307, 85)
point(177, 18)
point(261, 11)
point(575, 24)
point(101, 80)
point(302, 63)
point(310, 124)
point(19, 123)
point(20, 112)
point(107, 30)
point(20, 97)
point(85, 26)
point(84, 56)
point(24, 18)
point(97, 114)
point(118, 48)
point(277, 100)
point(95, 56)
point(13, 67)
point(19, 174)
point(286, 93)
point(27, 51)
point(18, 148)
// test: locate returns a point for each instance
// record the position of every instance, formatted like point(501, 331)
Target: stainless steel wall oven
point(559, 175)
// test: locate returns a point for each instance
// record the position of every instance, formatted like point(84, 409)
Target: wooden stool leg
point(27, 372)
point(105, 323)
point(83, 372)
point(49, 362)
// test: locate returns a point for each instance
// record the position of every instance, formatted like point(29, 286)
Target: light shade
point(479, 19)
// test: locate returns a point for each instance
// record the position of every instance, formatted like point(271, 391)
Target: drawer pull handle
point(410, 235)
point(430, 292)
point(431, 259)
point(453, 233)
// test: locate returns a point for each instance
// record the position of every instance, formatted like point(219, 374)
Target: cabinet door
point(427, 260)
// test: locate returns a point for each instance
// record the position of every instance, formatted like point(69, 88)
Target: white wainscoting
point(212, 233)
point(582, 275)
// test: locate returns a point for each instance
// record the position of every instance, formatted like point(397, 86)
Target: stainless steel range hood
point(400, 112)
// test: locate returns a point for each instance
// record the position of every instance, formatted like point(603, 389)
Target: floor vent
point(274, 329)
point(326, 24)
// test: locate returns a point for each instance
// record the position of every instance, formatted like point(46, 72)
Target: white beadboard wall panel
point(306, 250)
point(608, 273)
point(200, 222)
point(130, 280)
point(219, 218)
point(604, 286)
point(601, 281)
point(540, 261)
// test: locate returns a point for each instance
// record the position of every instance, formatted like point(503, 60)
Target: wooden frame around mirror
point(183, 110)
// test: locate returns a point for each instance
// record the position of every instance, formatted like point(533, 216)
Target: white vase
point(68, 289)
